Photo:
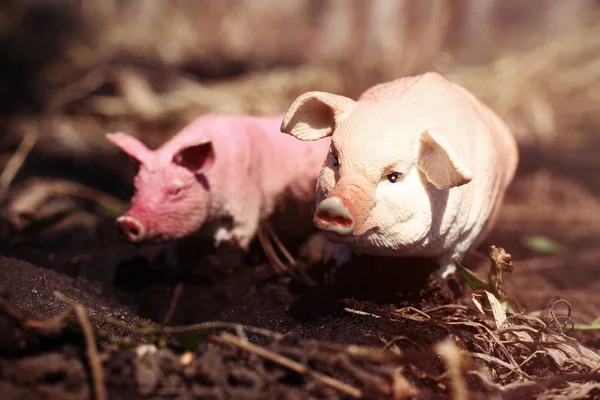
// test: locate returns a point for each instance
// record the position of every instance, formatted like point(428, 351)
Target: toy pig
point(417, 167)
point(222, 173)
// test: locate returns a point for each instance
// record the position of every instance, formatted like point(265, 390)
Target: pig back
point(492, 155)
point(232, 179)
point(506, 161)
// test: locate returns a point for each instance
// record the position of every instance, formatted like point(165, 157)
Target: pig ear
point(130, 145)
point(440, 164)
point(198, 157)
point(313, 115)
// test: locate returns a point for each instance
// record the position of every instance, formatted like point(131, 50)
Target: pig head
point(172, 196)
point(416, 167)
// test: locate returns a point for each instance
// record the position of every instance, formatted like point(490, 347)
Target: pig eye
point(336, 161)
point(393, 177)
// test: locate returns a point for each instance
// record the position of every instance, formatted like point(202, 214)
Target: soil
point(115, 280)
point(54, 366)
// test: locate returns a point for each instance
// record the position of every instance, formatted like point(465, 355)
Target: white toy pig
point(417, 167)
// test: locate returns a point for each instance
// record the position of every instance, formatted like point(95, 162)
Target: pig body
point(220, 176)
point(417, 167)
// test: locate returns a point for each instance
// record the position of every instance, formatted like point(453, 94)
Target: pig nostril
point(131, 229)
point(335, 220)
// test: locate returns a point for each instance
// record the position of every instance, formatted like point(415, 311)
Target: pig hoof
point(222, 235)
point(445, 272)
point(242, 241)
point(228, 236)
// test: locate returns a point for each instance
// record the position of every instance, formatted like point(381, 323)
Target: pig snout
point(132, 229)
point(333, 216)
point(346, 210)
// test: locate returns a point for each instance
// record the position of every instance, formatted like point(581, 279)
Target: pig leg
point(447, 265)
point(244, 232)
point(245, 220)
point(223, 234)
point(339, 254)
point(240, 235)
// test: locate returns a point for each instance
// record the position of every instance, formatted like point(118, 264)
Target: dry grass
point(533, 92)
point(547, 201)
point(550, 95)
point(139, 50)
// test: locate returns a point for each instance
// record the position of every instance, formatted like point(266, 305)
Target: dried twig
point(76, 90)
point(453, 360)
point(565, 318)
point(279, 245)
point(92, 350)
point(42, 188)
point(363, 374)
point(358, 312)
point(493, 337)
point(445, 307)
point(173, 304)
point(531, 357)
point(289, 364)
point(401, 387)
point(396, 339)
point(521, 390)
point(266, 236)
point(405, 312)
point(16, 161)
point(55, 324)
point(495, 360)
point(296, 267)
point(269, 251)
point(153, 330)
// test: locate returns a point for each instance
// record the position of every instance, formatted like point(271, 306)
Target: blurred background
point(72, 70)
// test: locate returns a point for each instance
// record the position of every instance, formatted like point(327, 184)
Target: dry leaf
point(498, 311)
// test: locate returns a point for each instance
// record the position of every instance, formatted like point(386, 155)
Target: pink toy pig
point(418, 167)
point(222, 173)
